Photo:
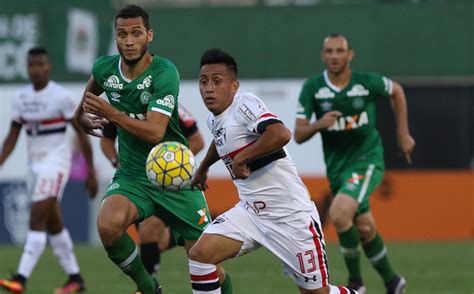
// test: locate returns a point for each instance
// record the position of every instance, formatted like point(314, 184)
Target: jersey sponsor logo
point(350, 122)
point(204, 218)
point(113, 82)
point(247, 112)
point(324, 93)
point(145, 84)
point(358, 90)
point(114, 96)
point(168, 101)
point(145, 97)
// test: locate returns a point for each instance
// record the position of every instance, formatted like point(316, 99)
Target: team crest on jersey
point(358, 102)
point(350, 122)
point(145, 84)
point(358, 90)
point(113, 82)
point(168, 101)
point(145, 97)
point(324, 93)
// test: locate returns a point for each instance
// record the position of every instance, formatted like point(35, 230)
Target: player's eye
point(203, 82)
point(121, 34)
point(137, 33)
point(217, 81)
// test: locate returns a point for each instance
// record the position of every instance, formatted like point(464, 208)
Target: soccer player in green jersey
point(142, 90)
point(344, 104)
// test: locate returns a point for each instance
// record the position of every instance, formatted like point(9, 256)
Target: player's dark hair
point(132, 11)
point(37, 51)
point(217, 56)
point(339, 35)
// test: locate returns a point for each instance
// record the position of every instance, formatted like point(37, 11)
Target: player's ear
point(235, 86)
point(350, 55)
point(150, 35)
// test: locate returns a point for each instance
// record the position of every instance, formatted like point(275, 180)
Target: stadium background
point(425, 45)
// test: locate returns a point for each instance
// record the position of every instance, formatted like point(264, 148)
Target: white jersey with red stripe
point(273, 190)
point(45, 114)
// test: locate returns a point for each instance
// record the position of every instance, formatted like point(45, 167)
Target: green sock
point(376, 252)
point(226, 286)
point(124, 253)
point(349, 241)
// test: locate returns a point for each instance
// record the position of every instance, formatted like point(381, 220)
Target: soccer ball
point(170, 166)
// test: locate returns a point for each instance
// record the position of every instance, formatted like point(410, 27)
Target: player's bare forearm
point(150, 130)
point(85, 145)
point(304, 130)
point(275, 137)
point(9, 143)
point(91, 87)
point(399, 106)
point(196, 142)
point(108, 148)
point(211, 157)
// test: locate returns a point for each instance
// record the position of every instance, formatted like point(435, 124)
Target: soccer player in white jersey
point(45, 109)
point(275, 210)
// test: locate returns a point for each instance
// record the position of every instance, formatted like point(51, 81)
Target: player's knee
point(110, 231)
point(340, 219)
point(366, 232)
point(199, 254)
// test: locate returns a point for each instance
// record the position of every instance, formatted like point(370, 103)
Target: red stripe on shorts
point(319, 250)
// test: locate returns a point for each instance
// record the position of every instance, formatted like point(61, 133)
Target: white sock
point(34, 247)
point(64, 251)
point(204, 279)
point(341, 290)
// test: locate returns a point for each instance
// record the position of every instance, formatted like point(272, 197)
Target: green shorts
point(358, 180)
point(185, 211)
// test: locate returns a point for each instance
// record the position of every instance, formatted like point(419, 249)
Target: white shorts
point(47, 183)
point(299, 244)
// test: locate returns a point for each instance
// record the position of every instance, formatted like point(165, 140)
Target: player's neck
point(40, 85)
point(342, 79)
point(131, 71)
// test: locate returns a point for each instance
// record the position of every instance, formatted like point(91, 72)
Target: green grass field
point(439, 268)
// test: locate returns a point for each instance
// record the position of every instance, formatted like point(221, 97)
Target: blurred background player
point(155, 237)
point(344, 103)
point(143, 93)
point(275, 210)
point(46, 109)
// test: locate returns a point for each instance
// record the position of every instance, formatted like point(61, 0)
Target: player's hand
point(328, 119)
point(406, 143)
point(240, 169)
point(91, 184)
point(98, 106)
point(90, 123)
point(199, 180)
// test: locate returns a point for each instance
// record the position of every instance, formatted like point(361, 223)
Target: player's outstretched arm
point(107, 144)
point(86, 148)
point(274, 137)
point(86, 121)
point(304, 130)
point(196, 142)
point(200, 178)
point(399, 105)
point(10, 142)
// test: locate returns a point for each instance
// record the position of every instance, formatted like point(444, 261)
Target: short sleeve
point(380, 85)
point(305, 102)
point(68, 106)
point(166, 90)
point(253, 114)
